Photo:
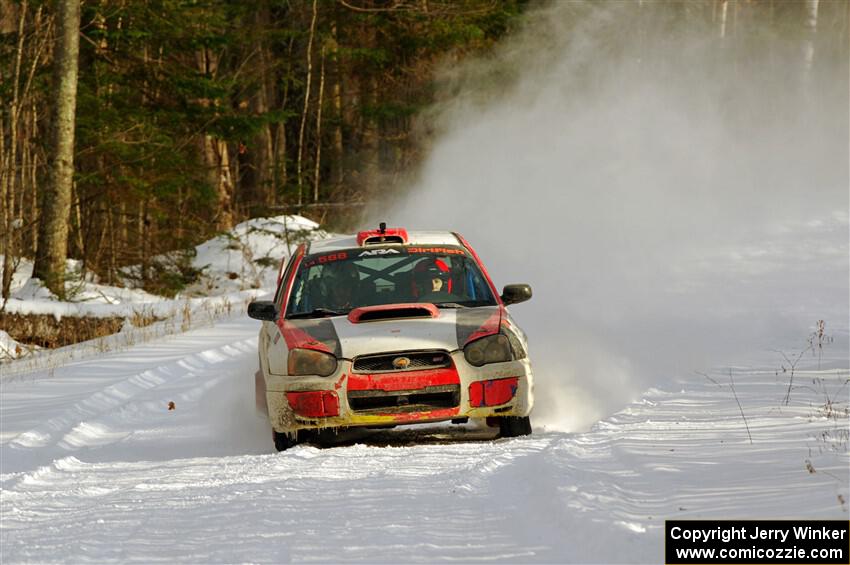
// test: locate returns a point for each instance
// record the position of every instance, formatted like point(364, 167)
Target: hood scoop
point(393, 312)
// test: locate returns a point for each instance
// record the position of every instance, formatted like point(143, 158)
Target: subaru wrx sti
point(389, 327)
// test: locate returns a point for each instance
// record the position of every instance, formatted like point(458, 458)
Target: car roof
point(413, 238)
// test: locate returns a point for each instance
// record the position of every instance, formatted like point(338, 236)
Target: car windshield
point(329, 284)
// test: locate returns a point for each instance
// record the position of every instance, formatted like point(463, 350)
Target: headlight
point(490, 349)
point(310, 362)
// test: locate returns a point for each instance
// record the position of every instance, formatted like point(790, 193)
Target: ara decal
point(373, 252)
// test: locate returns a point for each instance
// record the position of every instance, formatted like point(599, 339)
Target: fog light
point(492, 393)
point(314, 404)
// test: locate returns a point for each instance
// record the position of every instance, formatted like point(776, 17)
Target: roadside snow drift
point(234, 268)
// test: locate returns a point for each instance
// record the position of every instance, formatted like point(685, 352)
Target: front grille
point(403, 401)
point(418, 360)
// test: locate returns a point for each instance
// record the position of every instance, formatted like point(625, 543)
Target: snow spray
point(676, 194)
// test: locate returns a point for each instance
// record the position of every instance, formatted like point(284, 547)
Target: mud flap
point(260, 393)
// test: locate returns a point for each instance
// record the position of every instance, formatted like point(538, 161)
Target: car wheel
point(514, 426)
point(283, 441)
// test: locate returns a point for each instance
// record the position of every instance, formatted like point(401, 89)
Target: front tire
point(283, 441)
point(514, 426)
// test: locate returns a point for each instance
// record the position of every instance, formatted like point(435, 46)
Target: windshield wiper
point(316, 313)
point(465, 304)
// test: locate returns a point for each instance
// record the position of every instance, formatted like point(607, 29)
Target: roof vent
point(382, 235)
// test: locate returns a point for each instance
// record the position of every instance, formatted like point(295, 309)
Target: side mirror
point(264, 310)
point(515, 293)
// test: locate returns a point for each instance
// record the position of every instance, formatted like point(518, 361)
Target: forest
point(192, 115)
point(132, 129)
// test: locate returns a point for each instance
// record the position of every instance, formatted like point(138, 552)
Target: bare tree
point(56, 203)
point(316, 172)
point(9, 160)
point(300, 178)
point(215, 150)
point(337, 150)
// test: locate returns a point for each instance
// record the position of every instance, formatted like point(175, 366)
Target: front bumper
point(348, 399)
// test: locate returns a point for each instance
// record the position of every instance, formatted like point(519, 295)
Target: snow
point(241, 252)
point(96, 468)
point(9, 348)
point(146, 447)
point(681, 248)
point(235, 268)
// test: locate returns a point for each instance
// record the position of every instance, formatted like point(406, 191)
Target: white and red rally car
point(390, 327)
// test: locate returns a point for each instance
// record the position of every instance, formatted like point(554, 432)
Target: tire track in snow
point(370, 499)
point(132, 413)
point(73, 423)
point(151, 497)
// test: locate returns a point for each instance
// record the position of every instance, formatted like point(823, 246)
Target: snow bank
point(234, 267)
point(249, 255)
point(11, 349)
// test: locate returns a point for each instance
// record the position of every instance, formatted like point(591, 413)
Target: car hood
point(449, 330)
point(397, 335)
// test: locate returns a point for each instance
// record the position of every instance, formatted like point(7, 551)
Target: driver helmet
point(427, 272)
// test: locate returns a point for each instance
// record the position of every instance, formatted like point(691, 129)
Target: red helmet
point(426, 271)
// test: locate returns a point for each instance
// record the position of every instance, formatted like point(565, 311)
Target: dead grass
point(105, 334)
point(47, 331)
point(44, 330)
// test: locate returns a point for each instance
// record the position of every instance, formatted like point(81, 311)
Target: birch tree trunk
point(280, 164)
point(337, 168)
point(56, 202)
point(224, 186)
point(300, 178)
point(317, 171)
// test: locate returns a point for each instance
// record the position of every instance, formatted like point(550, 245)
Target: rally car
point(390, 327)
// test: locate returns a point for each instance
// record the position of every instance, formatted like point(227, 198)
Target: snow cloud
point(678, 202)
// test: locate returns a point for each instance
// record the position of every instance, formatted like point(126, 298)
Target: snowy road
point(96, 468)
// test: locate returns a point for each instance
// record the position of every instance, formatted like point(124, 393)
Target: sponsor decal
point(329, 258)
point(313, 260)
point(437, 250)
point(372, 252)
